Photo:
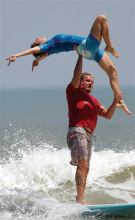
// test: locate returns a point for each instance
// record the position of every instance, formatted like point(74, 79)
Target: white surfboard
point(118, 210)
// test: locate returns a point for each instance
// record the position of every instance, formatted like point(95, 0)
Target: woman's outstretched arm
point(24, 53)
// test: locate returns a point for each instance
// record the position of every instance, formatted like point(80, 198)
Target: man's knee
point(83, 165)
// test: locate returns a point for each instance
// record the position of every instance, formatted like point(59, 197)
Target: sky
point(21, 22)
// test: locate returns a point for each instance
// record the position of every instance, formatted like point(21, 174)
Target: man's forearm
point(110, 110)
point(77, 72)
point(78, 68)
point(107, 113)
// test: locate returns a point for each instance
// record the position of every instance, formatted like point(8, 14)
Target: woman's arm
point(36, 61)
point(24, 53)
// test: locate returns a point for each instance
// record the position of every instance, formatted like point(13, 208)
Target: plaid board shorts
point(80, 144)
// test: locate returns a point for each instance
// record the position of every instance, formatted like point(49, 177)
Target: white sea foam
point(33, 206)
point(48, 168)
point(106, 163)
point(40, 170)
point(118, 167)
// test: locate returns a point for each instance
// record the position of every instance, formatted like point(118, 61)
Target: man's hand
point(75, 48)
point(120, 96)
point(11, 59)
point(35, 63)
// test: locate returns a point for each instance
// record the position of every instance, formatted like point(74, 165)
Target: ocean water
point(36, 179)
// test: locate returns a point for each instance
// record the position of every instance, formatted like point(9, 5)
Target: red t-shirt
point(82, 108)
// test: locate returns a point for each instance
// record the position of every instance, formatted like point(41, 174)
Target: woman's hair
point(36, 55)
point(84, 74)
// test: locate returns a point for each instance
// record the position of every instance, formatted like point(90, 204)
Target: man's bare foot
point(82, 201)
point(110, 49)
point(123, 107)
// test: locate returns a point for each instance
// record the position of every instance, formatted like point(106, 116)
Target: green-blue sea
point(36, 179)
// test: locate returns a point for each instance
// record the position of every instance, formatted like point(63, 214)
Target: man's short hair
point(84, 74)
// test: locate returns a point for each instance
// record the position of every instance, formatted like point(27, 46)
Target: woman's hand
point(11, 59)
point(35, 63)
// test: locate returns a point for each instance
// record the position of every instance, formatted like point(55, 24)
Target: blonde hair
point(84, 74)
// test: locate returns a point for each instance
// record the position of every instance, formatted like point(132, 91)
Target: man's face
point(87, 83)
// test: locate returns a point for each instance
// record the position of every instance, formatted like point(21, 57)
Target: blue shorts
point(89, 49)
point(80, 144)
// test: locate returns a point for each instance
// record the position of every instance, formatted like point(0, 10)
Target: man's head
point(87, 81)
point(37, 42)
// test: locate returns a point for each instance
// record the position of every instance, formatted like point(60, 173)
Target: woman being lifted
point(87, 47)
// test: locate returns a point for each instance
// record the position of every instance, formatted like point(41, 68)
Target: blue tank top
point(60, 43)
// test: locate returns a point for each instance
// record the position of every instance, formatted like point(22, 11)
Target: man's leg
point(100, 28)
point(80, 178)
point(106, 64)
point(81, 150)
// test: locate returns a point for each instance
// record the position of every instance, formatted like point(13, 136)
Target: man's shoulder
point(92, 97)
point(70, 88)
point(95, 100)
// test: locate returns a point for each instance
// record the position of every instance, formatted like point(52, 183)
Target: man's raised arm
point(77, 71)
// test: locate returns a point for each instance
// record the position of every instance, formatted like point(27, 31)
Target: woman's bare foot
point(121, 105)
point(82, 201)
point(110, 49)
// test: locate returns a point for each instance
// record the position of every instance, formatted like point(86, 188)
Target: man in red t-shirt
point(83, 112)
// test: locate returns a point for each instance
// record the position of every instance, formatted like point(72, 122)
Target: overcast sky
point(23, 21)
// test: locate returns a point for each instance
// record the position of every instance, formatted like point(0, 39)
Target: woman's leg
point(106, 64)
point(100, 28)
